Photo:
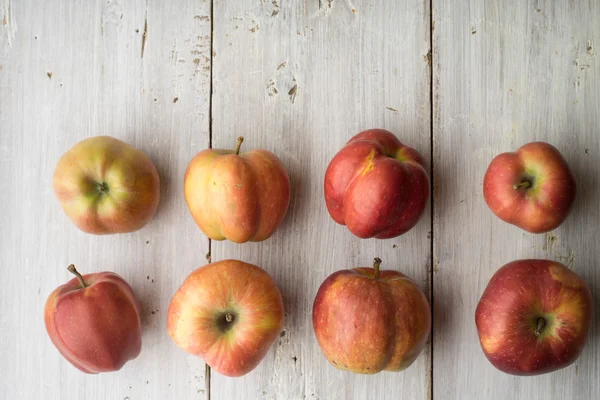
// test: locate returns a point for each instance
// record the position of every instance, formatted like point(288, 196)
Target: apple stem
point(72, 270)
point(239, 144)
point(376, 264)
point(524, 184)
point(228, 317)
point(541, 323)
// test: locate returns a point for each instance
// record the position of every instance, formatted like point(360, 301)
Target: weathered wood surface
point(69, 70)
point(506, 74)
point(299, 79)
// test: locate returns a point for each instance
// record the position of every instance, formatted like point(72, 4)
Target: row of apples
point(533, 317)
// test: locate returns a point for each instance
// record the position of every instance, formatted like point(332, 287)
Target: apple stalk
point(541, 323)
point(72, 270)
point(524, 185)
point(240, 140)
point(376, 264)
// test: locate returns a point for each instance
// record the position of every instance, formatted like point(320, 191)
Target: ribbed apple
point(534, 317)
point(104, 185)
point(532, 188)
point(94, 321)
point(367, 320)
point(240, 197)
point(229, 313)
point(376, 186)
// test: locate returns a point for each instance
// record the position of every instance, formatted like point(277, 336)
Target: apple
point(367, 320)
point(94, 321)
point(229, 313)
point(376, 186)
point(106, 186)
point(240, 197)
point(532, 188)
point(534, 317)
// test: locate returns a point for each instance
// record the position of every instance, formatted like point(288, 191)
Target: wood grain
point(505, 75)
point(73, 70)
point(299, 79)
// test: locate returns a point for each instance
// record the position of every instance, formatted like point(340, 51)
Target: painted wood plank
point(299, 79)
point(69, 70)
point(504, 76)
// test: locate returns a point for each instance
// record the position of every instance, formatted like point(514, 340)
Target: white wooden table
point(458, 80)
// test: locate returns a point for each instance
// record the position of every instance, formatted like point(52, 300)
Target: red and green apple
point(105, 185)
point(534, 317)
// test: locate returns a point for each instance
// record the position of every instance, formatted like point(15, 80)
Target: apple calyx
point(102, 187)
point(240, 140)
point(72, 270)
point(541, 324)
point(376, 264)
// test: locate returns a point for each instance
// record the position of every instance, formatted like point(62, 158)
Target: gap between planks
point(207, 371)
point(432, 224)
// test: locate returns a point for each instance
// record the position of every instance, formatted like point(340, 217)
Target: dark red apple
point(534, 317)
point(376, 186)
point(94, 321)
point(532, 188)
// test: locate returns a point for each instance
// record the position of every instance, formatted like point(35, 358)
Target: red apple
point(106, 186)
point(534, 317)
point(240, 197)
point(229, 313)
point(376, 186)
point(367, 320)
point(532, 188)
point(94, 321)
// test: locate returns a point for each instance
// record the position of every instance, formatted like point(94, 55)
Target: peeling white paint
point(283, 81)
point(8, 22)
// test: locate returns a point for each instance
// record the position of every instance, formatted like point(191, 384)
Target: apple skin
point(508, 317)
point(547, 189)
point(366, 321)
point(376, 186)
point(96, 328)
point(106, 186)
point(198, 320)
point(240, 197)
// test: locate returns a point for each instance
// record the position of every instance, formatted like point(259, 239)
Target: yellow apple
point(240, 197)
point(105, 185)
point(229, 313)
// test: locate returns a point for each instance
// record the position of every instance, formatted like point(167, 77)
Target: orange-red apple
point(106, 186)
point(532, 188)
point(229, 313)
point(534, 317)
point(367, 320)
point(94, 321)
point(240, 197)
point(376, 186)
